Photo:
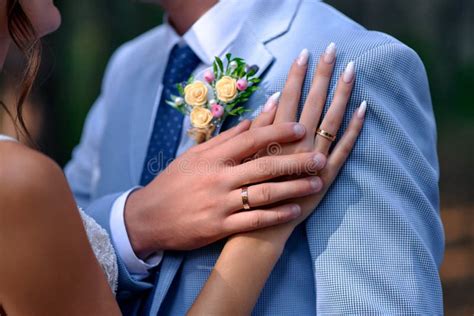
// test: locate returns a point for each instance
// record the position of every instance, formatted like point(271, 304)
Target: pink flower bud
point(242, 84)
point(209, 76)
point(217, 110)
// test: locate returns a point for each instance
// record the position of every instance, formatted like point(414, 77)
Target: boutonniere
point(214, 95)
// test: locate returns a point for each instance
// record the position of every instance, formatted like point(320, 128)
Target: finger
point(344, 147)
point(333, 119)
point(250, 142)
point(317, 96)
point(292, 92)
point(258, 219)
point(274, 192)
point(268, 113)
point(271, 167)
point(225, 136)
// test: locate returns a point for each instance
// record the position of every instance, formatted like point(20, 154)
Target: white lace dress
point(100, 242)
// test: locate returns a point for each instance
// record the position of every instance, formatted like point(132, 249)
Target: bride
point(55, 260)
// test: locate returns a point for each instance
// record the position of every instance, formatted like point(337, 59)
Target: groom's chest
point(132, 103)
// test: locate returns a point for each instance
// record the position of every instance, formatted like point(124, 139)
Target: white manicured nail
point(303, 58)
point(272, 102)
point(349, 73)
point(330, 54)
point(362, 110)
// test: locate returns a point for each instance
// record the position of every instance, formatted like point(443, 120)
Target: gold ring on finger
point(245, 198)
point(326, 135)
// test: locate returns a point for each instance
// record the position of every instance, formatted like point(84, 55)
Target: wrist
point(136, 224)
point(271, 240)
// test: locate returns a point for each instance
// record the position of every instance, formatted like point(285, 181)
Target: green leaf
point(190, 80)
point(180, 89)
point(255, 80)
point(228, 56)
point(230, 106)
point(239, 111)
point(252, 89)
point(214, 67)
point(220, 64)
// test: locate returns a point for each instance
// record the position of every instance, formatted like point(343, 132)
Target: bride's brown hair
point(24, 36)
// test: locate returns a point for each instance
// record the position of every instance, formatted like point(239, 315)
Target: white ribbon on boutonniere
point(209, 98)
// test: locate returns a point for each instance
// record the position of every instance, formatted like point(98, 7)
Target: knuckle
point(330, 123)
point(256, 221)
point(265, 194)
point(345, 90)
point(303, 147)
point(289, 91)
point(265, 166)
point(324, 72)
point(346, 150)
point(279, 216)
point(325, 174)
point(250, 140)
point(319, 99)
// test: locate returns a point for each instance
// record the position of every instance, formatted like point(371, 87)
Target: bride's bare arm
point(47, 266)
point(248, 259)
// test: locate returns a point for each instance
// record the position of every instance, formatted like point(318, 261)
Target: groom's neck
point(184, 13)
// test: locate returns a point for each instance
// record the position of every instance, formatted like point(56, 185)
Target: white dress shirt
point(210, 36)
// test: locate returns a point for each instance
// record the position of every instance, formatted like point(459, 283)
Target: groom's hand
point(197, 199)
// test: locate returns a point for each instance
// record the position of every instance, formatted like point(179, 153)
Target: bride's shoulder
point(24, 171)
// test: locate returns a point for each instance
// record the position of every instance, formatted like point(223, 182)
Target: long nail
point(303, 58)
point(362, 110)
point(272, 102)
point(330, 54)
point(349, 73)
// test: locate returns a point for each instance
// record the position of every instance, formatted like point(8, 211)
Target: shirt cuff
point(137, 267)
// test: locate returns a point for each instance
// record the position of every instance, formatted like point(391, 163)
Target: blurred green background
point(441, 31)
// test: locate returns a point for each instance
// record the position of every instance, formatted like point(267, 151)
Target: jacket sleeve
point(377, 240)
point(83, 172)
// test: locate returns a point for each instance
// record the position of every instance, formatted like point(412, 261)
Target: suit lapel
point(248, 47)
point(268, 20)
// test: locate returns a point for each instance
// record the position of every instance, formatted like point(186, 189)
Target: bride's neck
point(4, 47)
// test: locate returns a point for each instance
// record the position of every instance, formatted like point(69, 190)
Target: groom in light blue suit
point(376, 242)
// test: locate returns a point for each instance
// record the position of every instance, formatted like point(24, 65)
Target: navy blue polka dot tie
point(168, 125)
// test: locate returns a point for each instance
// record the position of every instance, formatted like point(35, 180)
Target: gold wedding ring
point(326, 134)
point(245, 198)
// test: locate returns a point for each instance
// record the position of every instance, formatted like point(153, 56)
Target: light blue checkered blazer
point(376, 242)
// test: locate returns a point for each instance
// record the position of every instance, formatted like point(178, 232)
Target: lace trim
point(103, 249)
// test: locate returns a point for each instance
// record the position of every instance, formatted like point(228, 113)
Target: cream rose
point(195, 94)
point(200, 117)
point(226, 89)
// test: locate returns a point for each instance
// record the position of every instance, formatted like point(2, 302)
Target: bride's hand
point(311, 118)
point(197, 199)
point(255, 253)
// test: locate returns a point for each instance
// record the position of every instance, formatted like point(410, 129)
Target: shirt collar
point(215, 31)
